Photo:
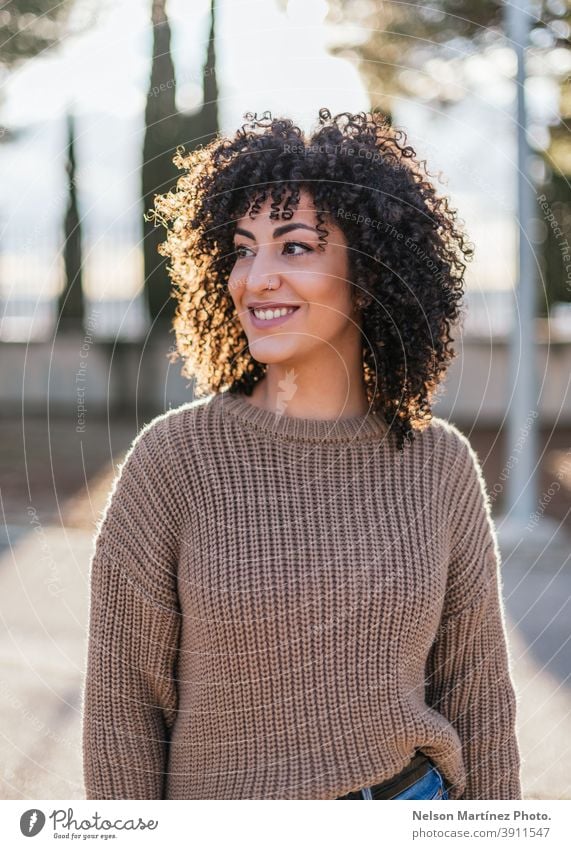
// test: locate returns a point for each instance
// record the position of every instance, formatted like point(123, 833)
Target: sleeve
point(130, 692)
point(468, 675)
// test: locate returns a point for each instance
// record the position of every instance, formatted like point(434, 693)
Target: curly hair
point(407, 251)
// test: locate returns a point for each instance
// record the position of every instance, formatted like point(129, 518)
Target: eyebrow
point(279, 231)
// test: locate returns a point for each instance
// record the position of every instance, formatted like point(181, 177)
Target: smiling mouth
point(274, 316)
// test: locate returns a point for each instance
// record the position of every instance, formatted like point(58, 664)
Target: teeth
point(265, 315)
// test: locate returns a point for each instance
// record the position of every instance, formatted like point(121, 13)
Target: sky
point(287, 68)
point(267, 59)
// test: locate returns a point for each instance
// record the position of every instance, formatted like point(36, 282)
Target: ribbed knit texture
point(286, 608)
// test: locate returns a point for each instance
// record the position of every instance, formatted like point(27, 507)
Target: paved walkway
point(537, 593)
point(43, 587)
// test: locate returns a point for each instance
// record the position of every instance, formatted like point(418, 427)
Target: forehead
point(303, 212)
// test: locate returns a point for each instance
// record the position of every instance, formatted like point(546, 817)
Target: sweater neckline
point(361, 428)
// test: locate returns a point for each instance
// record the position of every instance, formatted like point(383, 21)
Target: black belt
point(417, 767)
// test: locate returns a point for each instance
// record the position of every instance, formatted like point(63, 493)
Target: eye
point(241, 251)
point(296, 245)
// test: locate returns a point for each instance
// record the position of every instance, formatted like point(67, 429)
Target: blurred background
point(95, 97)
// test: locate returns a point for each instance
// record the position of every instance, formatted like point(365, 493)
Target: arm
point(468, 676)
point(130, 695)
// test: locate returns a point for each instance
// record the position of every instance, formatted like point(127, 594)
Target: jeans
point(430, 786)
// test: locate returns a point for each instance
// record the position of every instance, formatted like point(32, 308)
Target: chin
point(274, 352)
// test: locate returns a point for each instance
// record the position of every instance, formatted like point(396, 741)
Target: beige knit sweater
point(286, 608)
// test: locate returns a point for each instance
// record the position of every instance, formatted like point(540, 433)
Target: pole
point(521, 497)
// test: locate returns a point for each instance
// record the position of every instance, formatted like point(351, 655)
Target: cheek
point(330, 284)
point(331, 300)
point(235, 287)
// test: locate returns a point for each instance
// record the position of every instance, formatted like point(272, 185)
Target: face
point(309, 287)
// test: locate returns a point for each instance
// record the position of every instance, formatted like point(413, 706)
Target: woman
point(295, 589)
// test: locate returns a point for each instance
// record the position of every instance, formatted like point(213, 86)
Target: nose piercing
point(242, 282)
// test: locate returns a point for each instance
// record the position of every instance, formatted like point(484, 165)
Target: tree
point(162, 127)
point(71, 300)
point(556, 232)
point(29, 28)
point(419, 51)
point(200, 127)
point(165, 130)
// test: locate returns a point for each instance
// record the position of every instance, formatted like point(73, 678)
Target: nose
point(259, 275)
point(260, 282)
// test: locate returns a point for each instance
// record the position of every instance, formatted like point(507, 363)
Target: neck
point(290, 393)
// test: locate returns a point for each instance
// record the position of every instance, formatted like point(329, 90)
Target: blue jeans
point(430, 786)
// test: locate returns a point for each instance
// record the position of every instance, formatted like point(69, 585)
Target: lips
point(265, 305)
point(271, 322)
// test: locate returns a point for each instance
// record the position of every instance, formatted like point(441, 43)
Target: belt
point(417, 767)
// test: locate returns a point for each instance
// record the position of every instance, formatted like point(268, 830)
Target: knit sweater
point(288, 608)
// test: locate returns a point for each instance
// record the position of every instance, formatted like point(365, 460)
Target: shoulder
point(156, 458)
point(166, 435)
point(181, 416)
point(451, 442)
point(454, 458)
point(147, 502)
point(468, 501)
